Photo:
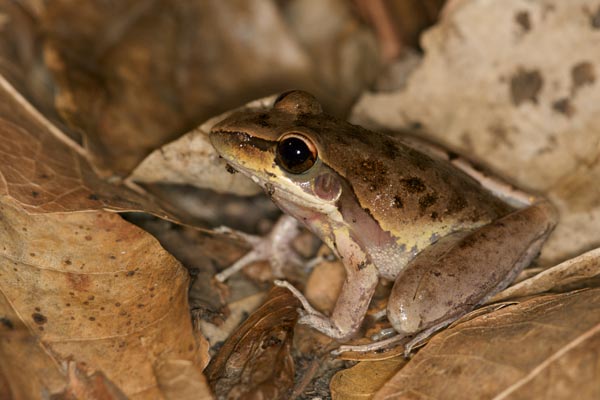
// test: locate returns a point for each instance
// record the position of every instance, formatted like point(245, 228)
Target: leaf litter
point(538, 338)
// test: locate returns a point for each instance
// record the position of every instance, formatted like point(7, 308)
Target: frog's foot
point(275, 248)
point(384, 333)
point(420, 338)
point(375, 346)
point(388, 343)
point(313, 318)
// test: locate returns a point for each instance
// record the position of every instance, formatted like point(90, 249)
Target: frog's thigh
point(462, 270)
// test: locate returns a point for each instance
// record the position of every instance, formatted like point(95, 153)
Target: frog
point(446, 233)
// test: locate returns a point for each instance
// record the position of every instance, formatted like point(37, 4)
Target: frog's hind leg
point(460, 272)
point(463, 270)
point(393, 341)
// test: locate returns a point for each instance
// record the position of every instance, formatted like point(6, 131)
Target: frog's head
point(282, 150)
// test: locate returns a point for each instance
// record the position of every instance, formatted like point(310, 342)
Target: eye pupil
point(295, 155)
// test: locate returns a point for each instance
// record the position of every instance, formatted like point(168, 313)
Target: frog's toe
point(378, 346)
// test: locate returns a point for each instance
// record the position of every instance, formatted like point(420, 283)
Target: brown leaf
point(364, 379)
point(26, 368)
point(94, 387)
point(96, 289)
point(192, 160)
point(182, 380)
point(545, 347)
point(238, 310)
point(161, 67)
point(399, 23)
point(324, 285)
point(44, 171)
point(579, 272)
point(87, 286)
point(21, 58)
point(255, 362)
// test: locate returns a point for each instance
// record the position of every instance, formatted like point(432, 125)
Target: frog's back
point(409, 193)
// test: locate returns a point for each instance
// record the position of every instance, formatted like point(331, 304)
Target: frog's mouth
point(284, 193)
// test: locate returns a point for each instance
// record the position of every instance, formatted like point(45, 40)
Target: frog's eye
point(295, 153)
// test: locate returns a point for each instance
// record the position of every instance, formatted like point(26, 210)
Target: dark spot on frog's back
point(413, 185)
point(467, 242)
point(427, 201)
point(397, 202)
point(376, 172)
point(456, 204)
point(372, 172)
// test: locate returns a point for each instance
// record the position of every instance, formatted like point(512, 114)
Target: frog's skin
point(386, 210)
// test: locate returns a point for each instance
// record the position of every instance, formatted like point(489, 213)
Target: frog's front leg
point(276, 248)
point(350, 308)
point(463, 270)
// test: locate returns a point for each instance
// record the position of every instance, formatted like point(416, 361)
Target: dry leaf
point(545, 347)
point(21, 58)
point(133, 75)
point(399, 23)
point(96, 289)
point(42, 170)
point(84, 286)
point(579, 272)
point(514, 83)
point(238, 311)
point(155, 74)
point(255, 361)
point(94, 387)
point(182, 380)
point(192, 160)
point(364, 379)
point(343, 53)
point(27, 370)
point(324, 285)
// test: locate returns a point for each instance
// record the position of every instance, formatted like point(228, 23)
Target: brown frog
point(447, 235)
